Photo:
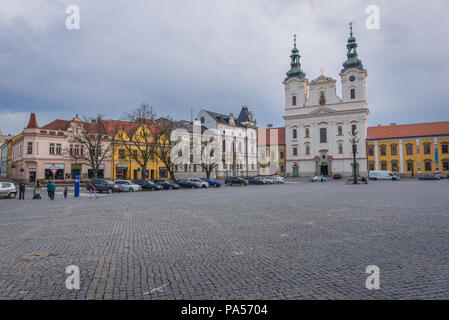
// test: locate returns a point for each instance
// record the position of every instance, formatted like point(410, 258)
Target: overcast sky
point(218, 55)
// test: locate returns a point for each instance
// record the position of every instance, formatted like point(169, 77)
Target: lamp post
point(354, 139)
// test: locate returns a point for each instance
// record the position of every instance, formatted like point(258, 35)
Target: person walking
point(22, 190)
point(93, 190)
point(49, 189)
point(66, 190)
point(37, 191)
point(52, 191)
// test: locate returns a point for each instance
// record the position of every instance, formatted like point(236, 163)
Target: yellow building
point(125, 165)
point(271, 151)
point(410, 149)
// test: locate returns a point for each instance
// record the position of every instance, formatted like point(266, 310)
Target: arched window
point(353, 129)
point(383, 151)
point(352, 93)
point(307, 149)
point(394, 166)
point(307, 132)
point(295, 134)
point(323, 135)
point(394, 149)
point(294, 101)
point(340, 130)
point(322, 98)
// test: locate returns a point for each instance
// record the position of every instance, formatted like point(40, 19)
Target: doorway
point(32, 175)
point(295, 171)
point(324, 169)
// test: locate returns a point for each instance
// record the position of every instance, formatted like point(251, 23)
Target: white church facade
point(319, 123)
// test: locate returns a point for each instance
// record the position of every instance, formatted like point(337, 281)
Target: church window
point(323, 135)
point(307, 133)
point(340, 130)
point(294, 100)
point(322, 98)
point(307, 149)
point(353, 129)
point(294, 134)
point(352, 93)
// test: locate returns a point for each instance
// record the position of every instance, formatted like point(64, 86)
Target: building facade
point(319, 123)
point(271, 151)
point(4, 153)
point(238, 137)
point(409, 149)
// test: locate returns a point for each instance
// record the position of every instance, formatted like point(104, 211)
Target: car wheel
point(230, 184)
point(108, 191)
point(131, 189)
point(12, 195)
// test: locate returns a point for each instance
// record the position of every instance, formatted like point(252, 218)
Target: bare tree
point(90, 143)
point(205, 146)
point(136, 136)
point(161, 138)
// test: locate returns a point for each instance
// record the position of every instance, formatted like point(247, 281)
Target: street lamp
point(354, 139)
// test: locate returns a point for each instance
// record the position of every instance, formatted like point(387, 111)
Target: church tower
point(296, 82)
point(353, 75)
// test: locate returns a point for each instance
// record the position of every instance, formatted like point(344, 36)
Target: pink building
point(43, 153)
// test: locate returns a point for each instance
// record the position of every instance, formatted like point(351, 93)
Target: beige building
point(3, 153)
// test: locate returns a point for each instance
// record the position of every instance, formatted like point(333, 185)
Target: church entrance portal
point(324, 169)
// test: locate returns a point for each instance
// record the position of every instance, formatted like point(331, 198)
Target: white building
point(238, 154)
point(318, 122)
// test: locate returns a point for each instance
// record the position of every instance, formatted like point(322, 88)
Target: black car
point(147, 185)
point(166, 184)
point(186, 184)
point(236, 180)
point(254, 180)
point(102, 185)
point(428, 177)
point(337, 176)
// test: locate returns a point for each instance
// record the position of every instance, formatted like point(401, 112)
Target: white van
point(382, 175)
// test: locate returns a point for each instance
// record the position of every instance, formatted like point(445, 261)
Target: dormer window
point(202, 120)
point(322, 98)
point(294, 101)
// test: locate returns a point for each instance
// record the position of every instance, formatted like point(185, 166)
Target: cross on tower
point(350, 27)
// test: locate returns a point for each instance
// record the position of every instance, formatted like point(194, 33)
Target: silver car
point(8, 190)
point(127, 185)
point(199, 182)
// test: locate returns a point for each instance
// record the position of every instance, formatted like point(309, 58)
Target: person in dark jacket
point(22, 190)
point(49, 189)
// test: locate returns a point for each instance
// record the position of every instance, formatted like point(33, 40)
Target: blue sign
point(77, 185)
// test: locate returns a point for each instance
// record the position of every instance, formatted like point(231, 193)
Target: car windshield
point(195, 180)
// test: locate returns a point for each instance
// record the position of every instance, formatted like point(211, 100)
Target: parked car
point(201, 183)
point(127, 185)
point(184, 183)
point(337, 176)
point(278, 179)
point(8, 190)
point(236, 180)
point(147, 185)
point(317, 178)
point(166, 185)
point(103, 185)
point(265, 180)
point(440, 175)
point(269, 179)
point(428, 177)
point(212, 183)
point(382, 175)
point(255, 180)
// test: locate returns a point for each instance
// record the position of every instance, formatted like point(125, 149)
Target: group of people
point(51, 189)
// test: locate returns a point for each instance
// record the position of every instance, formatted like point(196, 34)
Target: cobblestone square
point(299, 240)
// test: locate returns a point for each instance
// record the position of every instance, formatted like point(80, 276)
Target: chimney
point(270, 125)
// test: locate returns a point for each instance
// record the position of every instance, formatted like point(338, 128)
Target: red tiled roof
point(32, 124)
point(56, 125)
point(408, 130)
point(269, 133)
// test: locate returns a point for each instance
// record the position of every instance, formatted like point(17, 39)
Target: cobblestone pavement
point(295, 241)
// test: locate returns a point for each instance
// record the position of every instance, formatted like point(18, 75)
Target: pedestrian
point(52, 191)
point(49, 189)
point(92, 190)
point(66, 190)
point(37, 191)
point(22, 190)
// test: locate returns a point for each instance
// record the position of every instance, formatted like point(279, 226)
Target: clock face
point(352, 78)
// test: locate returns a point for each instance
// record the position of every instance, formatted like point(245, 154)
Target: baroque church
point(319, 123)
